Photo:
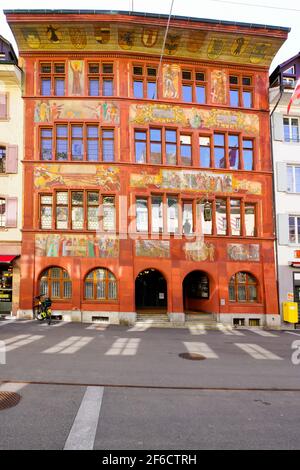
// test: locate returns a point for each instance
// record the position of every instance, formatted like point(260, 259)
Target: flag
point(295, 95)
point(232, 156)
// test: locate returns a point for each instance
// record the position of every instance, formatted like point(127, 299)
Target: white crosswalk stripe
point(257, 352)
point(97, 326)
point(197, 330)
point(144, 326)
point(54, 325)
point(70, 345)
point(22, 340)
point(262, 332)
point(201, 348)
point(124, 347)
point(228, 330)
point(7, 322)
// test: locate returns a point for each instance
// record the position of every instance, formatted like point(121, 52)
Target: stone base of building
point(78, 316)
point(176, 317)
point(249, 320)
point(25, 314)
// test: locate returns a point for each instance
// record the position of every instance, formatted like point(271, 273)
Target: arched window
point(100, 284)
point(56, 284)
point(243, 287)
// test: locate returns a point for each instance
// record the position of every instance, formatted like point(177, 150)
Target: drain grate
point(9, 399)
point(192, 356)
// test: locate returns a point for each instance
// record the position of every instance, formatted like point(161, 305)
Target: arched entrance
point(196, 291)
point(151, 291)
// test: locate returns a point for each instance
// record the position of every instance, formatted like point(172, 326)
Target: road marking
point(54, 325)
point(201, 348)
point(197, 330)
point(228, 330)
point(143, 326)
point(6, 322)
point(262, 332)
point(12, 387)
point(292, 333)
point(83, 432)
point(97, 326)
point(21, 342)
point(15, 339)
point(124, 347)
point(257, 352)
point(69, 346)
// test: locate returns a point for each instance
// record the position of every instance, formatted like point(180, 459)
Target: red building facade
point(148, 182)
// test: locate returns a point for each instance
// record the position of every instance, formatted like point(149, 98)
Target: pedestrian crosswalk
point(201, 348)
point(257, 352)
point(69, 346)
point(124, 347)
point(20, 340)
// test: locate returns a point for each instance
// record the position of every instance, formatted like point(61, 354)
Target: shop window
point(6, 285)
point(100, 284)
point(56, 284)
point(243, 287)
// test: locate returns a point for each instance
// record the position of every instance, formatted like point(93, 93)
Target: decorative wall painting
point(152, 248)
point(76, 77)
point(218, 86)
point(90, 246)
point(243, 252)
point(199, 251)
point(78, 37)
point(171, 77)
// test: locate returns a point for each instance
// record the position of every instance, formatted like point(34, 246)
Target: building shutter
point(12, 159)
point(281, 170)
point(11, 211)
point(3, 105)
point(283, 229)
point(277, 126)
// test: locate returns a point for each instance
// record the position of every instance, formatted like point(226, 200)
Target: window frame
point(61, 279)
point(53, 75)
point(247, 284)
point(94, 281)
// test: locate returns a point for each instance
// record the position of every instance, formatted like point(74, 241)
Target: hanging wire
point(163, 48)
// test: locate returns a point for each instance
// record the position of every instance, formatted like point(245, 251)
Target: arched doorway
point(196, 291)
point(151, 291)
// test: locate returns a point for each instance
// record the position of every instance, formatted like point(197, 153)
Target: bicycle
point(42, 310)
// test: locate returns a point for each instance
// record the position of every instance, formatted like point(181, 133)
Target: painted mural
point(194, 180)
point(242, 252)
point(76, 77)
point(88, 246)
point(199, 251)
point(152, 248)
point(171, 77)
point(148, 39)
point(218, 86)
point(194, 118)
point(47, 111)
point(48, 176)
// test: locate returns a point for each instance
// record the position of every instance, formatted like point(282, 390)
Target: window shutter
point(283, 229)
point(281, 176)
point(11, 212)
point(12, 159)
point(3, 105)
point(277, 126)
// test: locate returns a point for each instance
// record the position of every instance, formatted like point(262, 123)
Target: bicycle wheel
point(41, 315)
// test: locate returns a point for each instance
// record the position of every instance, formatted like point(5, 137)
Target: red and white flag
point(295, 95)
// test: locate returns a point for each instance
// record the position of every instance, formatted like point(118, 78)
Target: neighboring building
point(170, 150)
point(11, 148)
point(286, 155)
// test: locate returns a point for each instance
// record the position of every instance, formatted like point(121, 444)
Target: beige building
point(11, 147)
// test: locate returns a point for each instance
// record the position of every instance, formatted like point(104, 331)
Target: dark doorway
point(151, 290)
point(195, 290)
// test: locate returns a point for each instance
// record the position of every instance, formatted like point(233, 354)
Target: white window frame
point(293, 188)
point(297, 239)
point(290, 129)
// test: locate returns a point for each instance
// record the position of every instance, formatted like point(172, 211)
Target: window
point(171, 147)
point(157, 214)
point(52, 79)
point(144, 81)
point(141, 215)
point(100, 79)
point(140, 138)
point(235, 216)
point(291, 129)
point(294, 229)
point(155, 146)
point(221, 216)
point(250, 219)
point(3, 105)
point(193, 86)
point(293, 179)
point(241, 91)
point(77, 142)
point(243, 287)
point(233, 147)
point(78, 210)
point(2, 212)
point(219, 150)
point(2, 159)
point(56, 284)
point(205, 152)
point(187, 218)
point(172, 214)
point(186, 150)
point(100, 284)
point(248, 154)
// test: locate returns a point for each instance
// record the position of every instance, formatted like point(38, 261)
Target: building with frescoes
point(148, 182)
point(11, 150)
point(286, 157)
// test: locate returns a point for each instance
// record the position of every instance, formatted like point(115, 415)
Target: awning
point(7, 258)
point(294, 264)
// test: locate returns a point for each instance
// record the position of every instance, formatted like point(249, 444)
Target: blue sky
point(271, 12)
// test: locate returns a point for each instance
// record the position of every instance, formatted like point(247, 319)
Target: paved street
point(115, 387)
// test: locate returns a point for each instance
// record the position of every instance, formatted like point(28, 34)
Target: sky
point(270, 12)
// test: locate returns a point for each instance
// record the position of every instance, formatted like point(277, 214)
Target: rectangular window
point(52, 79)
point(46, 86)
point(172, 214)
point(138, 89)
point(186, 150)
point(141, 215)
point(3, 105)
point(248, 160)
point(62, 143)
point(92, 143)
point(62, 210)
point(140, 138)
point(46, 211)
point(59, 87)
point(235, 216)
point(240, 91)
point(221, 216)
point(193, 86)
point(2, 159)
point(250, 220)
point(2, 212)
point(46, 144)
point(155, 146)
point(92, 210)
point(187, 93)
point(291, 129)
point(293, 177)
point(77, 210)
point(109, 213)
point(77, 143)
point(206, 226)
point(187, 218)
point(157, 214)
point(294, 229)
point(108, 146)
point(204, 147)
point(233, 147)
point(219, 150)
point(94, 87)
point(171, 146)
point(144, 82)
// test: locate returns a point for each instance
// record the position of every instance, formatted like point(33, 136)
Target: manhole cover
point(9, 399)
point(192, 356)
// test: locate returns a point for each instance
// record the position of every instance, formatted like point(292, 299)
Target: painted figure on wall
point(171, 80)
point(152, 248)
point(199, 251)
point(108, 247)
point(215, 48)
point(76, 83)
point(243, 252)
point(42, 112)
point(218, 87)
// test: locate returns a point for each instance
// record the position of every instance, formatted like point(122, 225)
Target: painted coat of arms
point(78, 37)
